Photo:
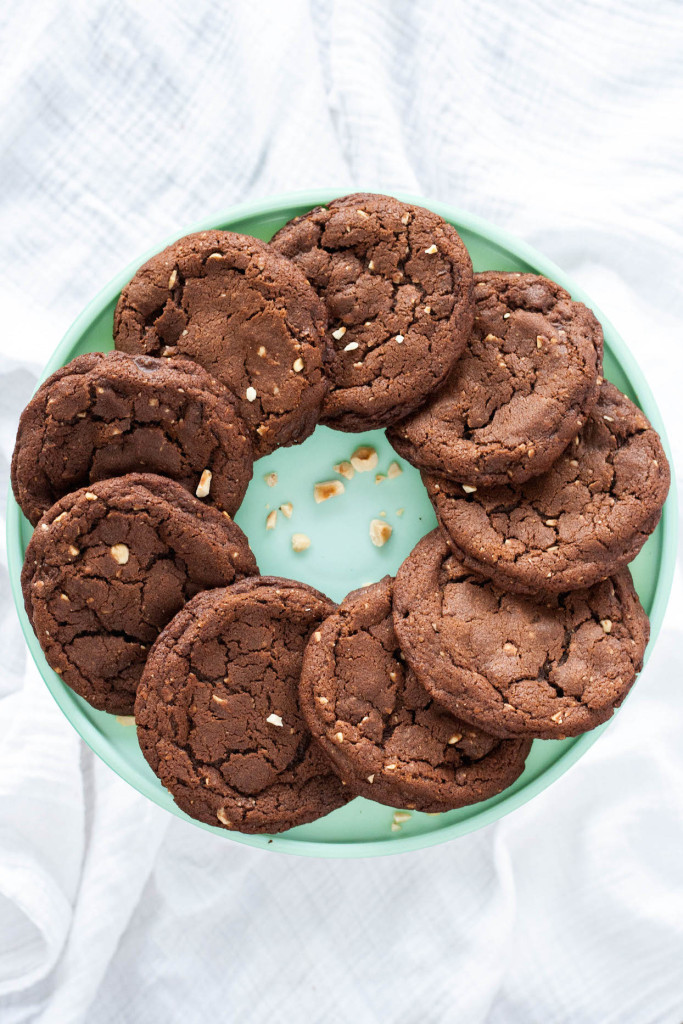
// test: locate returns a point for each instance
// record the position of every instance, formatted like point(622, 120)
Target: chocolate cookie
point(588, 515)
point(510, 665)
point(218, 715)
point(107, 568)
point(519, 394)
point(397, 282)
point(247, 315)
point(380, 728)
point(108, 414)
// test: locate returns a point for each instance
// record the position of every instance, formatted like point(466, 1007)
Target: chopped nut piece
point(89, 496)
point(271, 520)
point(298, 365)
point(469, 488)
point(339, 737)
point(380, 532)
point(539, 340)
point(399, 339)
point(606, 625)
point(261, 351)
point(250, 394)
point(274, 720)
point(551, 522)
point(371, 265)
point(509, 648)
point(217, 699)
point(173, 279)
point(455, 738)
point(263, 429)
point(431, 250)
point(271, 479)
point(339, 333)
point(120, 553)
point(64, 597)
point(72, 549)
point(364, 459)
point(300, 542)
point(222, 816)
point(317, 636)
point(287, 508)
point(322, 700)
point(327, 489)
point(391, 767)
point(405, 219)
point(401, 816)
point(394, 470)
point(552, 549)
point(395, 827)
point(506, 316)
point(400, 511)
point(215, 256)
point(351, 347)
point(363, 214)
point(557, 717)
point(125, 719)
point(378, 479)
point(345, 469)
point(371, 779)
point(491, 337)
point(610, 419)
point(204, 485)
point(428, 309)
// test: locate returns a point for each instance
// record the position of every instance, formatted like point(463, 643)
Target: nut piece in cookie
point(244, 312)
point(397, 283)
point(387, 738)
point(519, 394)
point(512, 665)
point(106, 414)
point(589, 514)
point(107, 568)
point(218, 714)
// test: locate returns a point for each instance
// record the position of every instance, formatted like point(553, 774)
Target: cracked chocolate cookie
point(218, 715)
point(107, 568)
point(107, 414)
point(508, 664)
point(397, 283)
point(247, 315)
point(383, 732)
point(519, 394)
point(588, 515)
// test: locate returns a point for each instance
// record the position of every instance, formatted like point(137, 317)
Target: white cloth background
point(122, 122)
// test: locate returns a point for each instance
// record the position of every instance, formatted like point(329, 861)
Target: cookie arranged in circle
point(519, 394)
point(243, 312)
point(397, 283)
point(110, 565)
point(576, 524)
point(511, 665)
point(388, 739)
point(107, 414)
point(218, 715)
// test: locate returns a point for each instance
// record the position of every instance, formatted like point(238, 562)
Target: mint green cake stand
point(341, 555)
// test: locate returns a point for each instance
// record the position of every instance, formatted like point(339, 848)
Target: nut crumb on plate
point(327, 489)
point(380, 532)
point(364, 459)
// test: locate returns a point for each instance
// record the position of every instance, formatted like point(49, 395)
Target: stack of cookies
point(259, 703)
